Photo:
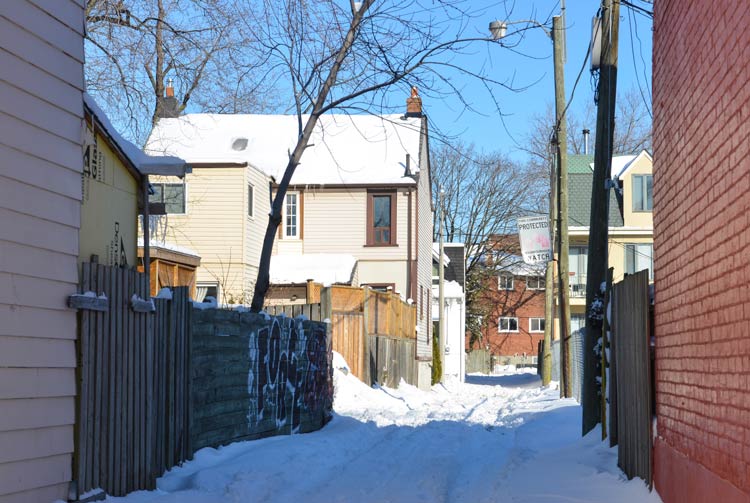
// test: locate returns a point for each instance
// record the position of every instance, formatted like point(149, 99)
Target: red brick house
point(516, 320)
point(701, 95)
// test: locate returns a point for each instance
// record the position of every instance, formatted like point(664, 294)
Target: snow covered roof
point(325, 268)
point(620, 163)
point(436, 253)
point(345, 149)
point(146, 164)
point(451, 290)
point(515, 265)
point(153, 243)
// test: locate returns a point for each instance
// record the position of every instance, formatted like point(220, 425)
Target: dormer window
point(643, 192)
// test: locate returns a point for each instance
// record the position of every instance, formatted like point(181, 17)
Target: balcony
point(577, 286)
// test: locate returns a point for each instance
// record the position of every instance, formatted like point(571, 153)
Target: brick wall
point(701, 91)
point(521, 303)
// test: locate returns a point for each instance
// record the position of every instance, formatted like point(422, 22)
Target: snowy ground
point(494, 438)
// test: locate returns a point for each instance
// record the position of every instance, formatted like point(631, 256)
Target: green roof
point(579, 201)
point(578, 163)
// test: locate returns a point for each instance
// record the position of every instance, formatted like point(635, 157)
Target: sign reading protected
point(536, 245)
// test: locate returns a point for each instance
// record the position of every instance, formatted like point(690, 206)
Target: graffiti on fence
point(289, 374)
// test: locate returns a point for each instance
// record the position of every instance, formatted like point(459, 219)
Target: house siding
point(41, 113)
point(702, 229)
point(213, 226)
point(423, 254)
point(255, 226)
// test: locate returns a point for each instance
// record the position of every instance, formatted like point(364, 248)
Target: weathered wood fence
point(630, 387)
point(478, 361)
point(133, 400)
point(373, 331)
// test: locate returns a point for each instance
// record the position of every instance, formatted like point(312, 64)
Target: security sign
point(536, 245)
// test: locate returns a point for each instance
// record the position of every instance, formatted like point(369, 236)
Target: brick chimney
point(167, 105)
point(414, 104)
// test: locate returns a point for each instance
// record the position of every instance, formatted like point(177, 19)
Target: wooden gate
point(631, 376)
point(132, 413)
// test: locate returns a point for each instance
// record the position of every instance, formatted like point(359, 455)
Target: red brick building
point(516, 320)
point(701, 94)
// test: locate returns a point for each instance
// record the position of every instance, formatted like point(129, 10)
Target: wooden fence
point(391, 359)
point(133, 400)
point(478, 361)
point(630, 374)
point(356, 314)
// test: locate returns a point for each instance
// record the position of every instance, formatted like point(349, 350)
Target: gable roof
point(145, 164)
point(583, 164)
point(579, 202)
point(344, 149)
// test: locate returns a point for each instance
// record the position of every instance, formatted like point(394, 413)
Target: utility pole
point(597, 259)
point(441, 293)
point(549, 287)
point(561, 151)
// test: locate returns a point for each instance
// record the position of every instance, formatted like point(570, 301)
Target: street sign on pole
point(536, 245)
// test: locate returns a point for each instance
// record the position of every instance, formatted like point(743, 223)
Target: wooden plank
point(91, 377)
point(81, 431)
point(100, 380)
point(137, 361)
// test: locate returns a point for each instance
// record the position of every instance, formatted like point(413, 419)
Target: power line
point(638, 9)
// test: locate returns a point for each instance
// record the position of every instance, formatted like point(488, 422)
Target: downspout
point(146, 235)
point(409, 283)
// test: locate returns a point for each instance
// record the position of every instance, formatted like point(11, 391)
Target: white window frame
point(505, 275)
point(641, 180)
point(284, 234)
point(538, 330)
point(635, 253)
point(540, 281)
point(508, 330)
point(251, 201)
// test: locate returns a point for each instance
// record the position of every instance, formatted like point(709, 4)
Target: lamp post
point(558, 206)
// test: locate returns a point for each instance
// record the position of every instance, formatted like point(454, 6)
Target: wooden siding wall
point(134, 401)
point(41, 113)
point(424, 255)
point(631, 365)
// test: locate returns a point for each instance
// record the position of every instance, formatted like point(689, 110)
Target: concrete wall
point(41, 114)
point(255, 376)
point(702, 229)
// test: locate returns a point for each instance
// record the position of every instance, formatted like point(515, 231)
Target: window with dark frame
point(172, 195)
point(381, 219)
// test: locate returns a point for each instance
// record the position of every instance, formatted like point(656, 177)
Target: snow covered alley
point(494, 438)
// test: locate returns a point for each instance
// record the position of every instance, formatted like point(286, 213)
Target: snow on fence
point(133, 364)
point(255, 376)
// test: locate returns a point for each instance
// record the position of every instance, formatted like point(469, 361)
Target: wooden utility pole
point(561, 151)
point(549, 287)
point(598, 230)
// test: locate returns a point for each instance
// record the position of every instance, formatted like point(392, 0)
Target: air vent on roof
point(239, 144)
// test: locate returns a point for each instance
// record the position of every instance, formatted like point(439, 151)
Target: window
point(536, 324)
point(172, 195)
point(639, 257)
point(205, 290)
point(577, 264)
point(643, 188)
point(506, 324)
point(250, 200)
point(505, 282)
point(381, 219)
point(290, 216)
point(534, 283)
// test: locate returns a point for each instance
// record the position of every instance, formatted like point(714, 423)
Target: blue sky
point(534, 68)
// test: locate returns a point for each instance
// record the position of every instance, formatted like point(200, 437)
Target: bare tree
point(483, 195)
point(632, 131)
point(133, 47)
point(349, 55)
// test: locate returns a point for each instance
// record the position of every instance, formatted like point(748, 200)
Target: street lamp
point(499, 29)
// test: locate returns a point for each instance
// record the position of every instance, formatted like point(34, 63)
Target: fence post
point(366, 336)
point(326, 312)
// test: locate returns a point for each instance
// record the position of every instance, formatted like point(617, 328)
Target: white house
point(454, 309)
